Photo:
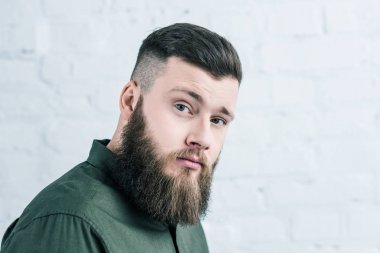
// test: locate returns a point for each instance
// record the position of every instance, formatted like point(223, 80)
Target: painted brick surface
point(300, 167)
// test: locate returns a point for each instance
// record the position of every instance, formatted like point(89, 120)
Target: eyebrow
point(199, 99)
point(225, 111)
point(192, 94)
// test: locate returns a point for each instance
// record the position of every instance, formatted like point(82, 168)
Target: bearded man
point(147, 188)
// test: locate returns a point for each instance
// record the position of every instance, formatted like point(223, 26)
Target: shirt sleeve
point(58, 233)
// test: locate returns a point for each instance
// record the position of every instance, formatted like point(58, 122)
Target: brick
point(87, 36)
point(25, 104)
point(270, 127)
point(301, 190)
point(289, 129)
point(56, 69)
point(107, 67)
point(374, 49)
point(346, 121)
point(117, 44)
point(125, 7)
point(249, 127)
point(43, 37)
point(352, 246)
point(10, 73)
point(349, 88)
point(377, 120)
point(236, 162)
point(368, 17)
point(106, 97)
point(336, 246)
point(293, 92)
point(348, 154)
point(20, 136)
point(59, 135)
point(280, 161)
point(312, 54)
point(241, 196)
point(246, 233)
point(321, 224)
point(377, 186)
point(98, 36)
point(326, 189)
point(17, 11)
point(358, 188)
point(72, 77)
point(364, 222)
point(78, 10)
point(72, 107)
point(254, 92)
point(261, 228)
point(250, 17)
point(293, 18)
point(220, 236)
point(18, 39)
point(341, 17)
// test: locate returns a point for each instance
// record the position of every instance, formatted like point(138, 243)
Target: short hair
point(191, 43)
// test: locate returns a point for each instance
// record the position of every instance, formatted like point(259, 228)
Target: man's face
point(172, 142)
point(187, 108)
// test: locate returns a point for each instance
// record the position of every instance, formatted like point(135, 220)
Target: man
point(146, 189)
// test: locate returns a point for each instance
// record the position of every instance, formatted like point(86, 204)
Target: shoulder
point(71, 194)
point(54, 233)
point(65, 208)
point(75, 194)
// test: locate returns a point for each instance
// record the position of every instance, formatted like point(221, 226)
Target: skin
point(186, 108)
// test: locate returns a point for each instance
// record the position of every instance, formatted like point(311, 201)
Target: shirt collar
point(100, 156)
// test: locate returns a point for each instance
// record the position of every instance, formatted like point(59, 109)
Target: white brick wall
point(300, 167)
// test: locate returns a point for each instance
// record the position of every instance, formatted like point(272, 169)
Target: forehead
point(180, 75)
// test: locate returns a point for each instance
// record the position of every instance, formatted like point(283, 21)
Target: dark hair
point(193, 44)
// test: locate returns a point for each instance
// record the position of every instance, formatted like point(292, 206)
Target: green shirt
point(83, 212)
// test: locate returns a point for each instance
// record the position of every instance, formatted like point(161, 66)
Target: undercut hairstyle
point(191, 43)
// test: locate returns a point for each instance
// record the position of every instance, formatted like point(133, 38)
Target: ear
point(128, 99)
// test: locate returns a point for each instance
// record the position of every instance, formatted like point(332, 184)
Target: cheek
point(219, 138)
point(168, 133)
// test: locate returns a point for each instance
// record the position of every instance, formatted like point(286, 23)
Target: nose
point(200, 135)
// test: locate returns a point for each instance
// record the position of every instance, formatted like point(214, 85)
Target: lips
point(192, 162)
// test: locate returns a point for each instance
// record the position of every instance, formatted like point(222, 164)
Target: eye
point(219, 121)
point(182, 107)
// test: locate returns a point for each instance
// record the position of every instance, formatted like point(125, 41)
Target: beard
point(140, 175)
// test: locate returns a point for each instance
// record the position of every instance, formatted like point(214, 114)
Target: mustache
point(192, 154)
